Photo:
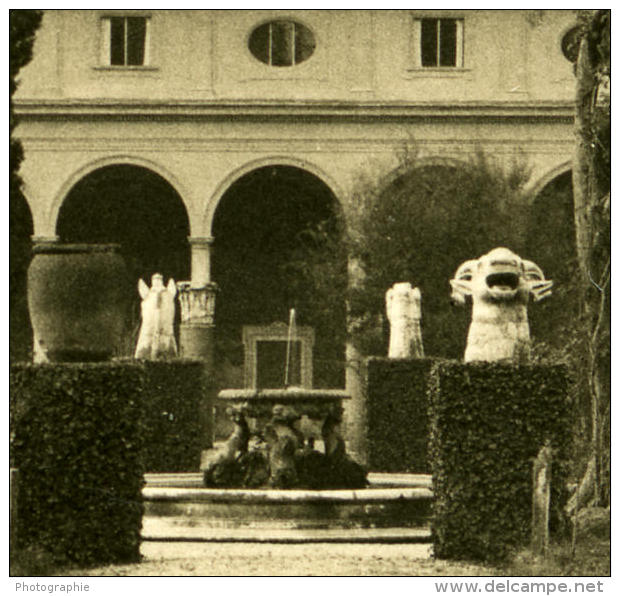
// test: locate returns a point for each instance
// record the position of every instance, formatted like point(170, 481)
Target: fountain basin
point(379, 513)
point(260, 402)
point(312, 406)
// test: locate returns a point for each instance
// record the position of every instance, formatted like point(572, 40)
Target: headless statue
point(156, 339)
point(403, 308)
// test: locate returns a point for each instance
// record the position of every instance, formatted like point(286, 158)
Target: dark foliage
point(488, 422)
point(23, 25)
point(77, 442)
point(397, 413)
point(22, 28)
point(595, 27)
point(174, 409)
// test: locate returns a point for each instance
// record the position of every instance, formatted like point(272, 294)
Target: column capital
point(197, 303)
point(199, 241)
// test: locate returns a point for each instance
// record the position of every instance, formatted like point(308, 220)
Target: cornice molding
point(290, 110)
point(245, 144)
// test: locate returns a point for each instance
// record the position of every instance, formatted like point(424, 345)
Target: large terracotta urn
point(77, 298)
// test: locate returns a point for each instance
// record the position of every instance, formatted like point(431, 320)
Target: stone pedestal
point(196, 339)
point(197, 321)
point(355, 410)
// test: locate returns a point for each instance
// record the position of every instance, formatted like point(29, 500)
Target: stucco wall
point(508, 55)
point(202, 159)
point(206, 111)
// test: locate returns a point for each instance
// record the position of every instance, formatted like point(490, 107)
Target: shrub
point(77, 441)
point(487, 423)
point(397, 414)
point(176, 416)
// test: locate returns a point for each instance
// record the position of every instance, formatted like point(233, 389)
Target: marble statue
point(403, 307)
point(500, 284)
point(156, 338)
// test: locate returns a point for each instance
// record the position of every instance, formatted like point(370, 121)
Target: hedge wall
point(177, 420)
point(76, 439)
point(487, 423)
point(397, 414)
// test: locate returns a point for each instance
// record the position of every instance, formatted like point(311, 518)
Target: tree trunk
point(591, 213)
point(582, 166)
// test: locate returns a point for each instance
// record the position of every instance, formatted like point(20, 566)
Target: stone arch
point(277, 238)
point(276, 160)
point(140, 210)
point(537, 187)
point(422, 162)
point(132, 160)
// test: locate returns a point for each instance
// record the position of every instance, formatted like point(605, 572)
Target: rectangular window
point(439, 43)
point(125, 41)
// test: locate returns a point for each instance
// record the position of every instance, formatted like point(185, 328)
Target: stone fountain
point(276, 434)
point(283, 474)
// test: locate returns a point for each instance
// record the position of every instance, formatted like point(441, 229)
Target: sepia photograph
point(310, 292)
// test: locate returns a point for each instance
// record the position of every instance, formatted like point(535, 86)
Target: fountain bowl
point(394, 508)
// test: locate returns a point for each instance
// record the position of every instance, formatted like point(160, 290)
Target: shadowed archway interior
point(139, 210)
point(551, 244)
point(278, 246)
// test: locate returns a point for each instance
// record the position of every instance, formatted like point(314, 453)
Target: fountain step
point(170, 529)
point(260, 515)
point(376, 480)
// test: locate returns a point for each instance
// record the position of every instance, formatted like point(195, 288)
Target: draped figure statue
point(156, 338)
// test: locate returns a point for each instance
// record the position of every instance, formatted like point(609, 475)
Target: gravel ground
point(236, 559)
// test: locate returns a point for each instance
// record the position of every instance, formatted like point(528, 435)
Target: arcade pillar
point(197, 300)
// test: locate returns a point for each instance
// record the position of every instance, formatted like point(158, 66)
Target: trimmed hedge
point(397, 414)
point(77, 441)
point(488, 422)
point(177, 420)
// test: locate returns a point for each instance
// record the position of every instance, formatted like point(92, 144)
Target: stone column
point(201, 259)
point(355, 415)
point(197, 300)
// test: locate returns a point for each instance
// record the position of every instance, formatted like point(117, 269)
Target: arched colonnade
point(201, 204)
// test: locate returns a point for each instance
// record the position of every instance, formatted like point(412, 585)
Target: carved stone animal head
point(499, 276)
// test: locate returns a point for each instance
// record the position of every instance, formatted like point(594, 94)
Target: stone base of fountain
point(283, 475)
point(275, 442)
point(394, 508)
